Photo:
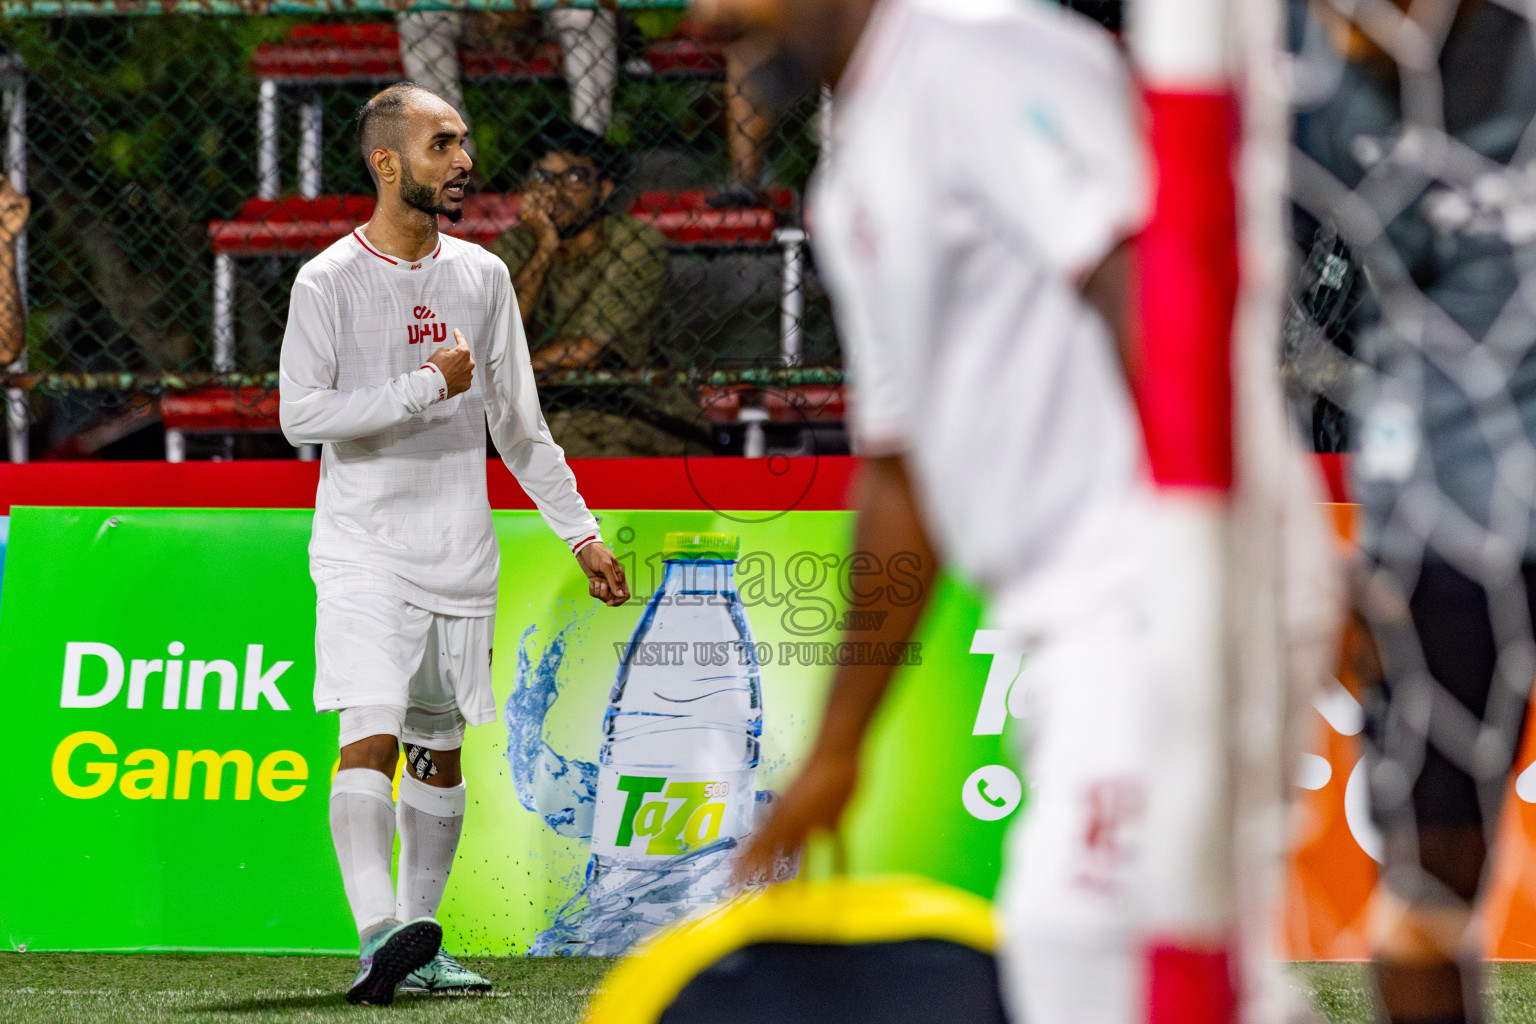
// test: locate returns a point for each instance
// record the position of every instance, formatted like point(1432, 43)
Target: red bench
point(315, 55)
point(298, 226)
point(796, 403)
point(210, 410)
point(370, 52)
point(216, 410)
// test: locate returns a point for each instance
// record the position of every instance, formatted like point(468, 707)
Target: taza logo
point(684, 817)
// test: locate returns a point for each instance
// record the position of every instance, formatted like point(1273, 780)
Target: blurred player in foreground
point(985, 173)
point(386, 330)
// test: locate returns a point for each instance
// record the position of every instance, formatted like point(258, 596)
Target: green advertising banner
point(170, 785)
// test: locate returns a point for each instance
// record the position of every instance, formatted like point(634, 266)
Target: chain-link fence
point(181, 167)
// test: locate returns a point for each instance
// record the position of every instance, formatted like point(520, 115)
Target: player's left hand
point(605, 576)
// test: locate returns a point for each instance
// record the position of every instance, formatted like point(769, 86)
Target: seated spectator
point(14, 208)
point(588, 281)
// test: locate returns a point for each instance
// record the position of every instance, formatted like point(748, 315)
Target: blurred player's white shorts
point(377, 651)
point(1125, 768)
point(1159, 753)
point(1072, 885)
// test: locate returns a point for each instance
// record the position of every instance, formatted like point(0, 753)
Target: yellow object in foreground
point(840, 911)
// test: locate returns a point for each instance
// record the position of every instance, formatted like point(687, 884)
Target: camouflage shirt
point(608, 294)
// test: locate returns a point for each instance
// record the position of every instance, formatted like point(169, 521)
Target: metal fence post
point(17, 418)
point(791, 295)
point(311, 125)
point(266, 131)
point(223, 312)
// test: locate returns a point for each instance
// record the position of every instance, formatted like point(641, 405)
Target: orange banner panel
point(1326, 911)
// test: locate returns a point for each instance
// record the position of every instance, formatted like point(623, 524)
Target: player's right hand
point(815, 800)
point(456, 364)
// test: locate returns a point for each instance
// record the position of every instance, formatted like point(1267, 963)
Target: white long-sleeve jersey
point(402, 504)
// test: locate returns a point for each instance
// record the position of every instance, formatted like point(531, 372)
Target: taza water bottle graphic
point(677, 768)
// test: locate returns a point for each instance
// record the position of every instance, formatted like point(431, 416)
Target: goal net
point(1387, 209)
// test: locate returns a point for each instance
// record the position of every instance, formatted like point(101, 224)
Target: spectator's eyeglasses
point(572, 177)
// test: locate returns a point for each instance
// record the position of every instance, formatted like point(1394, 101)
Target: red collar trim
point(390, 259)
point(364, 243)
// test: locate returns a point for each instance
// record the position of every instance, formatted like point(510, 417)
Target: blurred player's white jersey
point(983, 162)
point(402, 505)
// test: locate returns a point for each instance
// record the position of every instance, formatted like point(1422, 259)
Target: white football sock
point(430, 822)
point(363, 829)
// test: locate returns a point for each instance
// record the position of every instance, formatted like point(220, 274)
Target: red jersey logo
point(424, 334)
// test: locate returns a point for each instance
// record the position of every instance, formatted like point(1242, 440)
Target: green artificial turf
point(1342, 993)
point(1339, 991)
point(150, 987)
point(134, 989)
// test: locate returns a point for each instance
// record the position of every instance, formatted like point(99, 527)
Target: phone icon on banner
point(992, 792)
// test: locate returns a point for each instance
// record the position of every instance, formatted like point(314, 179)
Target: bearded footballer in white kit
point(984, 173)
point(402, 346)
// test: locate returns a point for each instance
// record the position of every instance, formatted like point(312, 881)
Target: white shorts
point(1122, 777)
point(375, 650)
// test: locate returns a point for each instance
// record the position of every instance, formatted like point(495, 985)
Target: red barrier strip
point(605, 483)
point(1186, 263)
point(722, 483)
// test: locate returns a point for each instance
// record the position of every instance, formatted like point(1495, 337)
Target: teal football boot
point(445, 976)
point(390, 955)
